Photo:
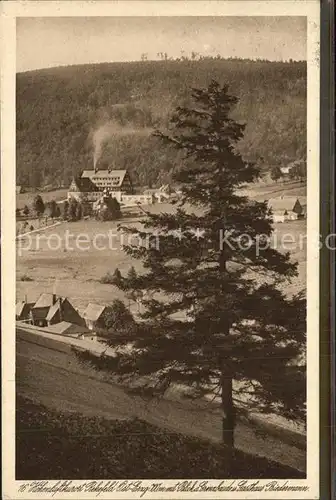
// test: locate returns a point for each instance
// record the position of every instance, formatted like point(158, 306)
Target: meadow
point(23, 199)
point(72, 257)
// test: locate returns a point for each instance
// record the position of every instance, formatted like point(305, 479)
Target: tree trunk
point(228, 410)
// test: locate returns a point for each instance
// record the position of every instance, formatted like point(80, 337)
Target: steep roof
point(84, 184)
point(19, 308)
point(283, 203)
point(68, 312)
point(45, 300)
point(22, 307)
point(105, 173)
point(93, 312)
point(53, 309)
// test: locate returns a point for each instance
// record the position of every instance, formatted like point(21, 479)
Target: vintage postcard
point(160, 249)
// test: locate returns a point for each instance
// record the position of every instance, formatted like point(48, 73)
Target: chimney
point(54, 293)
point(60, 310)
point(25, 299)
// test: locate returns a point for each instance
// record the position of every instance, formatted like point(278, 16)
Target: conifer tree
point(25, 210)
point(117, 278)
point(79, 211)
point(38, 205)
point(72, 209)
point(65, 211)
point(216, 318)
point(131, 276)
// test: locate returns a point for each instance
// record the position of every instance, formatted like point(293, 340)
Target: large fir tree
point(215, 317)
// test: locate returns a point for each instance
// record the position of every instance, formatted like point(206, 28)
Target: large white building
point(92, 183)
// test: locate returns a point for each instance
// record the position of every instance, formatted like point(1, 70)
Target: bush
point(25, 277)
point(107, 279)
point(112, 279)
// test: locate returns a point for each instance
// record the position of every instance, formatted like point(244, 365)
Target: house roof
point(84, 184)
point(283, 203)
point(69, 313)
point(45, 300)
point(20, 306)
point(53, 310)
point(93, 311)
point(105, 173)
point(68, 328)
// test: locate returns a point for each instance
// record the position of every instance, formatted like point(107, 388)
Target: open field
point(94, 248)
point(23, 199)
point(261, 191)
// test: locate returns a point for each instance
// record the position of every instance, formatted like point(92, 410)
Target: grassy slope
point(53, 444)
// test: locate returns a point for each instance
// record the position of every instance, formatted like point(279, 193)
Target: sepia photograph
point(165, 253)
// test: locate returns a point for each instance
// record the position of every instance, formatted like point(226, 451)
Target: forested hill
point(65, 115)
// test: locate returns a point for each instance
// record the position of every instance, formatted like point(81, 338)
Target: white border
point(9, 11)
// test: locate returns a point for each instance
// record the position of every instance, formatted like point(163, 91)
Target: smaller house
point(50, 309)
point(93, 316)
point(285, 170)
point(22, 310)
point(285, 208)
point(63, 311)
point(82, 189)
point(40, 310)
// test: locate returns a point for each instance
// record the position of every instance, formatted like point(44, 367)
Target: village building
point(22, 310)
point(90, 185)
point(94, 185)
point(50, 309)
point(114, 180)
point(161, 194)
point(285, 170)
point(285, 208)
point(93, 316)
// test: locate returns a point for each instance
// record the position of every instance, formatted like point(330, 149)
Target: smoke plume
point(109, 130)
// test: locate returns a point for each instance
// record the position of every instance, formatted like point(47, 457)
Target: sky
point(44, 42)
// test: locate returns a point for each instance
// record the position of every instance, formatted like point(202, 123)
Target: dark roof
point(84, 184)
point(68, 312)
